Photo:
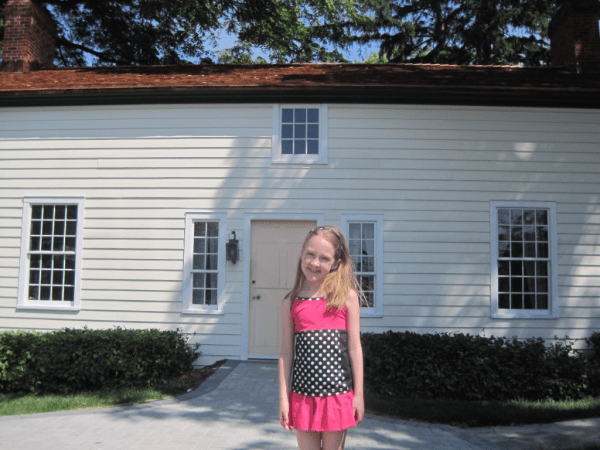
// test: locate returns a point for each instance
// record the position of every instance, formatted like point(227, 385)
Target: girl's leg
point(309, 440)
point(334, 440)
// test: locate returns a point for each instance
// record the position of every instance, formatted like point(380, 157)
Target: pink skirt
point(333, 413)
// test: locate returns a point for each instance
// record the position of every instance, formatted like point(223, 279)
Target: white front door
point(275, 250)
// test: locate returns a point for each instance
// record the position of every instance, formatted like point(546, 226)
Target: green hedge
point(73, 360)
point(468, 367)
point(594, 373)
point(594, 342)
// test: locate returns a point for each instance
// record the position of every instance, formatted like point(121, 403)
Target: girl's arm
point(356, 355)
point(286, 355)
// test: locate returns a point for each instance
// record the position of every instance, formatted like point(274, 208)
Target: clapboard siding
point(132, 267)
point(178, 123)
point(400, 125)
point(431, 171)
point(17, 168)
point(399, 156)
point(393, 134)
point(501, 155)
point(186, 189)
point(443, 113)
point(397, 190)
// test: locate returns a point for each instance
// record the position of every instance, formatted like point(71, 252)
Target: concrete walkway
point(237, 407)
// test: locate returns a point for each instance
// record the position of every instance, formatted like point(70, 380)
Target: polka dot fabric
point(321, 394)
point(321, 366)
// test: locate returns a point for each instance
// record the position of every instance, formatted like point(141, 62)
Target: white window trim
point(553, 311)
point(346, 218)
point(23, 303)
point(278, 158)
point(187, 306)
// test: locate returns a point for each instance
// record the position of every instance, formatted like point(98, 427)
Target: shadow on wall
point(141, 169)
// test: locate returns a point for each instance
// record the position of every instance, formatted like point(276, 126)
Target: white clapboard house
point(470, 195)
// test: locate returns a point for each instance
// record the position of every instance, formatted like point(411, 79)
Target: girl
point(320, 323)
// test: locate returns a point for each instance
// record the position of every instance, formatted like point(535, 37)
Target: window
point(204, 262)
point(365, 241)
point(524, 260)
point(299, 134)
point(50, 267)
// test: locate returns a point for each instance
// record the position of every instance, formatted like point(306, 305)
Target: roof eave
point(409, 94)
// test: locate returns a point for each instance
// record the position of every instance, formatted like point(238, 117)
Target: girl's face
point(318, 259)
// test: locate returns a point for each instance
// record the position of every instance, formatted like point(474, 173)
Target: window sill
point(203, 311)
point(525, 315)
point(298, 161)
point(47, 308)
point(374, 314)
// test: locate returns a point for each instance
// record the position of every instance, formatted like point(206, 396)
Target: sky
point(356, 52)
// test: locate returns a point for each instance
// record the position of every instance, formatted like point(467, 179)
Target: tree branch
point(69, 3)
point(62, 41)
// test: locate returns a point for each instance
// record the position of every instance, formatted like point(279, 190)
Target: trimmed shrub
point(72, 360)
point(18, 356)
point(468, 367)
point(594, 342)
point(594, 363)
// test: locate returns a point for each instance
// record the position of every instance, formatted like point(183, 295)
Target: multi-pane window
point(52, 241)
point(361, 243)
point(300, 131)
point(365, 242)
point(205, 266)
point(522, 258)
point(50, 265)
point(204, 262)
point(524, 266)
point(299, 134)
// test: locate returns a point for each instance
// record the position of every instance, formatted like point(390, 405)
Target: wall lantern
point(232, 249)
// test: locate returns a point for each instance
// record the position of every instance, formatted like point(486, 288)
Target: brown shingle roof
point(304, 82)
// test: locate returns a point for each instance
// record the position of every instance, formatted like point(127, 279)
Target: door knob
point(256, 298)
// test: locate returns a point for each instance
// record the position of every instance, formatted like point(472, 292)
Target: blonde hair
point(338, 283)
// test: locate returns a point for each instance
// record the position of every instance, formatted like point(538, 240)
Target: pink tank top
point(321, 361)
point(312, 314)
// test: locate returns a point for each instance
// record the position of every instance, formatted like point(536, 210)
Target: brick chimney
point(575, 36)
point(29, 37)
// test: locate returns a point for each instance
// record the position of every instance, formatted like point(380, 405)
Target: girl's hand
point(284, 413)
point(358, 405)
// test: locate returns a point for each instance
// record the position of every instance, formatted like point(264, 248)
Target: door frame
point(248, 218)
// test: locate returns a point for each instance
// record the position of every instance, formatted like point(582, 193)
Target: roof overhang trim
point(362, 94)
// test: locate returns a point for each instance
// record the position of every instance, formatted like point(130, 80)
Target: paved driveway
point(235, 409)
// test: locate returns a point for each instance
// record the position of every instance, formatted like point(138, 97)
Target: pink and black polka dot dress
point(322, 392)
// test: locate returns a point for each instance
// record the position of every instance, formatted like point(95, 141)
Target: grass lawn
point(465, 414)
point(13, 404)
point(588, 447)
